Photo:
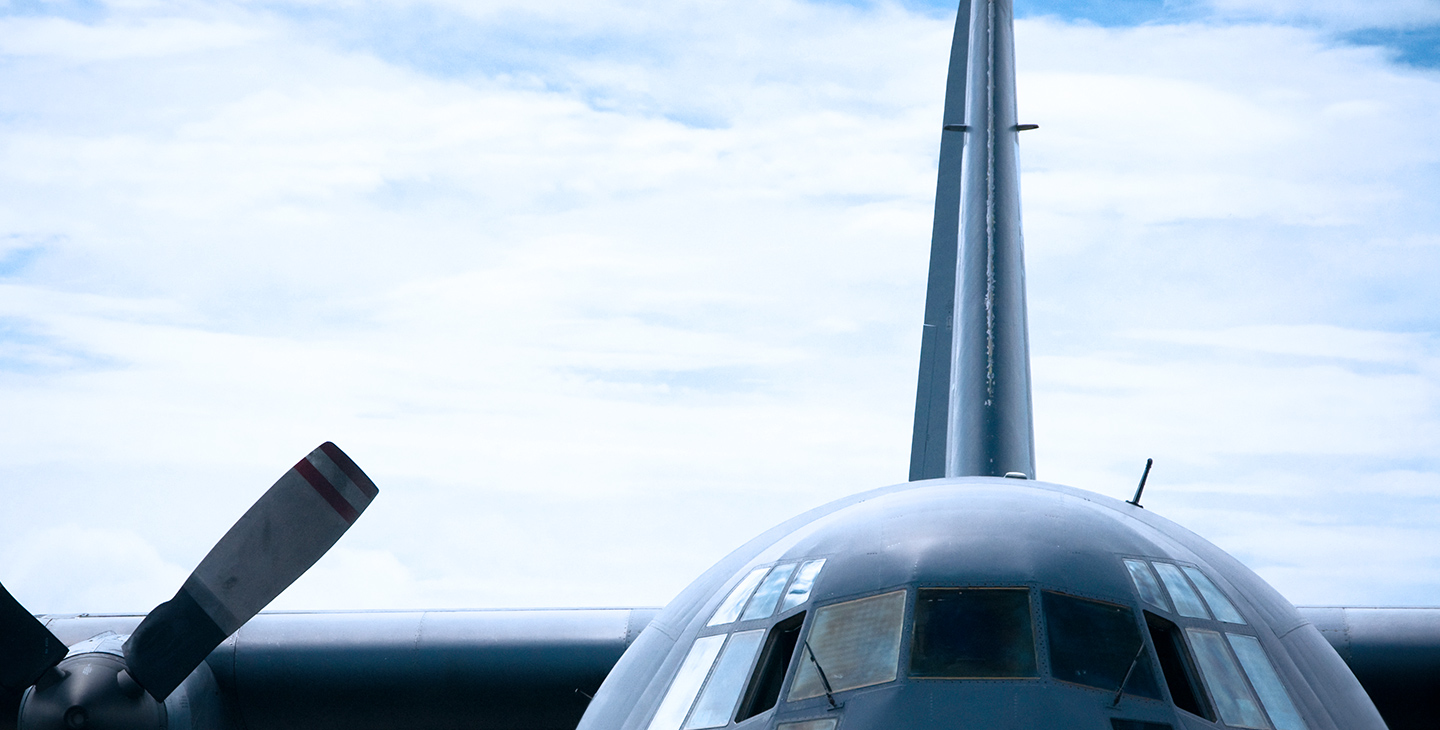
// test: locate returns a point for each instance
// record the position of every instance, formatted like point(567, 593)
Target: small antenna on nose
point(1141, 489)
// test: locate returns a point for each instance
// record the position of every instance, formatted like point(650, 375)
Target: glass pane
point(857, 643)
point(1146, 584)
point(826, 724)
point(800, 589)
point(1187, 602)
point(687, 682)
point(1266, 682)
point(768, 594)
point(1223, 608)
point(983, 632)
point(1097, 644)
point(729, 610)
point(717, 704)
point(1233, 700)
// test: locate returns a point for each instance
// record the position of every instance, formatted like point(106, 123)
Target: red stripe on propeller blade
point(326, 490)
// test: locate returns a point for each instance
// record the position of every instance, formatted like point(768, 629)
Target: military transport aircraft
point(972, 596)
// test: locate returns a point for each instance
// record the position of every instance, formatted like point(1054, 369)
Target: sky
point(596, 291)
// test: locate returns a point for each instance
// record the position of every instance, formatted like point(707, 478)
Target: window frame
point(1042, 666)
point(1213, 623)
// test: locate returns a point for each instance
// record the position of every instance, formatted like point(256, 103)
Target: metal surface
point(984, 532)
point(1394, 652)
point(974, 352)
point(932, 397)
point(423, 669)
point(991, 431)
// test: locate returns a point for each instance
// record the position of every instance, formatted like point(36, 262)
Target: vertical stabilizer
point(972, 411)
point(932, 398)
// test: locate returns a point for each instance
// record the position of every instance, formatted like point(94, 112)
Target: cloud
point(592, 270)
point(1336, 14)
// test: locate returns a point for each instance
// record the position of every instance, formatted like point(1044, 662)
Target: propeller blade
point(281, 536)
point(27, 648)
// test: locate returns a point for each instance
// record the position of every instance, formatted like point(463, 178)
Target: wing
point(1394, 652)
point(531, 669)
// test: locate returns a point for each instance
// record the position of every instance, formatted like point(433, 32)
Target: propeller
point(278, 539)
point(27, 648)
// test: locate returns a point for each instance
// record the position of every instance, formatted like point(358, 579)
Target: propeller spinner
point(278, 539)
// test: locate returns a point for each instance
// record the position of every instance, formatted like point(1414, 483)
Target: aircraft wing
point(1394, 652)
point(531, 669)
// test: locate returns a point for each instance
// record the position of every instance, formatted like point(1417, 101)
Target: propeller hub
point(89, 691)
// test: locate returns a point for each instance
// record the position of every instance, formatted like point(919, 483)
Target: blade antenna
point(1141, 489)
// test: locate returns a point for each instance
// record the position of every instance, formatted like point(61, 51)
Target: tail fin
point(972, 406)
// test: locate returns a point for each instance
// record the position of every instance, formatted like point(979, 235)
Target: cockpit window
point(1267, 684)
point(856, 644)
point(729, 609)
point(1223, 608)
point(687, 683)
point(1146, 585)
point(722, 692)
point(1233, 699)
point(768, 594)
point(973, 633)
point(800, 587)
point(1187, 602)
point(1098, 645)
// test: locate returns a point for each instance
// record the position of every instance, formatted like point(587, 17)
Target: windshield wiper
point(1133, 662)
point(824, 681)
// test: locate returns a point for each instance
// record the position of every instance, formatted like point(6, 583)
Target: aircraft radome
point(975, 594)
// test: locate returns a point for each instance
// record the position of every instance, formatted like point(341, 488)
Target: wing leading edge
point(494, 670)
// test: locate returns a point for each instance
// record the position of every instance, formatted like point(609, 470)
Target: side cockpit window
point(1218, 603)
point(1146, 584)
point(718, 701)
point(1177, 666)
point(800, 587)
point(764, 689)
point(1187, 601)
point(756, 595)
point(687, 682)
point(1234, 701)
point(1097, 644)
point(1212, 668)
point(979, 633)
point(736, 672)
point(1266, 682)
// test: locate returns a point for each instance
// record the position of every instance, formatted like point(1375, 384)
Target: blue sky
point(644, 279)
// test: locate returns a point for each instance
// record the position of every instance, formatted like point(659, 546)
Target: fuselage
point(980, 602)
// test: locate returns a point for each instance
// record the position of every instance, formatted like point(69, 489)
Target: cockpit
point(1213, 666)
point(980, 608)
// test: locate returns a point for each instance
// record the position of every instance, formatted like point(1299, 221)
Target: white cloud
point(1342, 14)
point(551, 304)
